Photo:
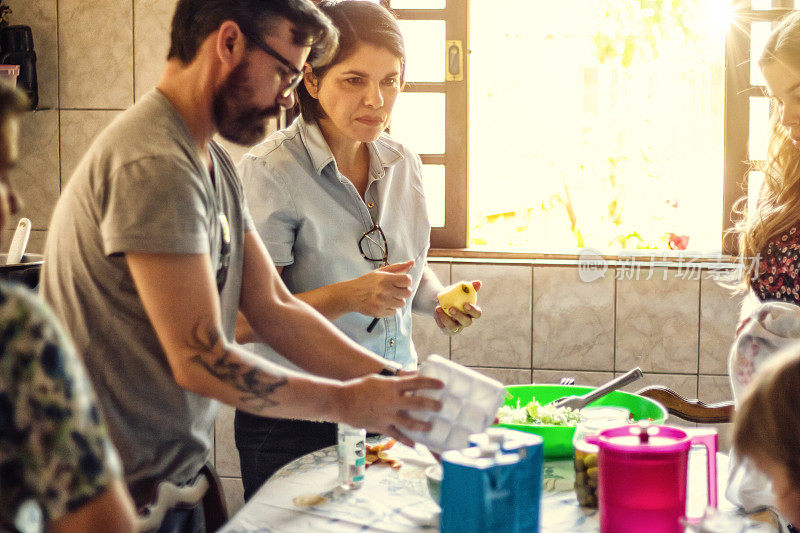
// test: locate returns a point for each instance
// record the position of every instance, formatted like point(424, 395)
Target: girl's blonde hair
point(767, 423)
point(779, 199)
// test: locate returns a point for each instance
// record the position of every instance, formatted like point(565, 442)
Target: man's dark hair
point(357, 21)
point(195, 20)
point(12, 102)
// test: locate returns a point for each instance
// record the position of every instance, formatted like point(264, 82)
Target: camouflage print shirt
point(55, 454)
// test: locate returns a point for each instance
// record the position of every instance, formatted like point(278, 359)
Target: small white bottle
point(352, 447)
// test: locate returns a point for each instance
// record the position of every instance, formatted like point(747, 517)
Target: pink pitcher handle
point(709, 440)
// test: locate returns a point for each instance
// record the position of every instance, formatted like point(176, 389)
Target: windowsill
point(672, 259)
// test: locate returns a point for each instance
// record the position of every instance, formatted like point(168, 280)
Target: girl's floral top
point(777, 277)
point(55, 454)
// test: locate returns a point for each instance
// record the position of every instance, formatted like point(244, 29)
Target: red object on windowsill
point(678, 242)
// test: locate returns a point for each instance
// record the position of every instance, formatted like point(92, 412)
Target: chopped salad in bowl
point(539, 415)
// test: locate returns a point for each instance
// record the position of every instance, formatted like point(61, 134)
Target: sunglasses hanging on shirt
point(224, 252)
point(374, 236)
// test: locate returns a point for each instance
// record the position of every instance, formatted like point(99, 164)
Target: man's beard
point(235, 121)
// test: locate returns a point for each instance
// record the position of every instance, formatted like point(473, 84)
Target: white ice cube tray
point(469, 404)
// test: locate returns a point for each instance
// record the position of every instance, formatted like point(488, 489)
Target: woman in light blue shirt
point(341, 208)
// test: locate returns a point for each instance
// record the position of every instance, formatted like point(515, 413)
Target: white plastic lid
point(469, 403)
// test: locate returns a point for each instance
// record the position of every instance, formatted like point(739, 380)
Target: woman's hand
point(456, 321)
point(382, 291)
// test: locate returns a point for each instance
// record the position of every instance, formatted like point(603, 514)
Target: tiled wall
point(541, 322)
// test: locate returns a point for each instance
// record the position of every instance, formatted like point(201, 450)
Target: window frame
point(736, 122)
point(453, 235)
point(738, 91)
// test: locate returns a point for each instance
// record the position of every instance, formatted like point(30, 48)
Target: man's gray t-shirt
point(142, 187)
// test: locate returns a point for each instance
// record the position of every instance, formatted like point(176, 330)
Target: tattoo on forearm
point(255, 385)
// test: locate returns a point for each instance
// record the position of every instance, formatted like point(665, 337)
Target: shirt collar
point(382, 155)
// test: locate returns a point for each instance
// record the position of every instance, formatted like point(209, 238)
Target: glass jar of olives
point(593, 421)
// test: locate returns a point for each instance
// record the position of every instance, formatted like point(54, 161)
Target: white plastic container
point(352, 450)
point(469, 404)
point(9, 74)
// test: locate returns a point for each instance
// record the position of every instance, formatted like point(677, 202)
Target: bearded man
point(151, 251)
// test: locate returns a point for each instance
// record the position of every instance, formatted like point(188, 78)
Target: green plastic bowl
point(558, 439)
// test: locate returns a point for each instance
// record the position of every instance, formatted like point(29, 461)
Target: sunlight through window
point(596, 123)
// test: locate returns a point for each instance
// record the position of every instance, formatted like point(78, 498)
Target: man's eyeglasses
point(374, 236)
point(296, 76)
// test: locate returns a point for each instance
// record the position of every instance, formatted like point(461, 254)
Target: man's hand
point(381, 292)
point(381, 404)
point(456, 320)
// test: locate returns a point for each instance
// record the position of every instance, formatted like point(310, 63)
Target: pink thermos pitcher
point(642, 477)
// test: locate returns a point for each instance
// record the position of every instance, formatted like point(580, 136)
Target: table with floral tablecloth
point(304, 496)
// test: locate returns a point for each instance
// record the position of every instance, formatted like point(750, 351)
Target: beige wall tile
point(584, 379)
point(719, 315)
point(151, 24)
point(715, 389)
point(428, 339)
point(502, 337)
point(718, 389)
point(657, 323)
point(683, 384)
point(427, 336)
point(573, 321)
point(234, 494)
point(95, 54)
point(35, 177)
point(78, 131)
point(40, 15)
point(506, 376)
point(226, 455)
point(36, 241)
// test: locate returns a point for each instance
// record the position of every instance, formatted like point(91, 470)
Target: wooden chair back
point(690, 410)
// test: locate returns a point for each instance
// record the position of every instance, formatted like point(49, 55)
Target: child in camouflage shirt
point(57, 465)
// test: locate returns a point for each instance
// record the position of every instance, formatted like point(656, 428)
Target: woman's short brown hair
point(358, 21)
point(767, 423)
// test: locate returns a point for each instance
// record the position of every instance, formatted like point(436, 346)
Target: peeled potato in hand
point(457, 296)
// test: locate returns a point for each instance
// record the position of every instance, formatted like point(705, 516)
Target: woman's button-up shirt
point(311, 218)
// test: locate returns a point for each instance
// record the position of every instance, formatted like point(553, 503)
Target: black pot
point(26, 272)
point(16, 48)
